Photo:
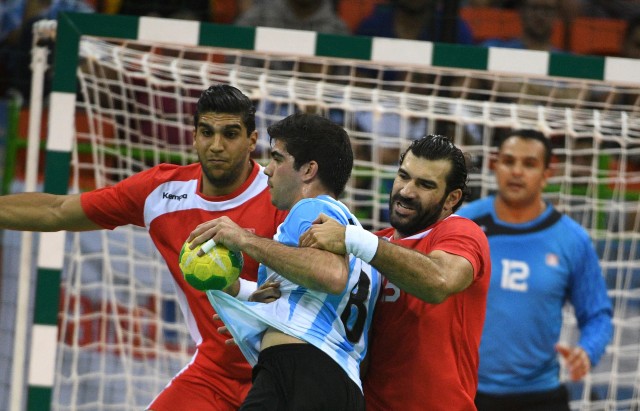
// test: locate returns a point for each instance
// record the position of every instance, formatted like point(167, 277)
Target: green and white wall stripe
point(62, 100)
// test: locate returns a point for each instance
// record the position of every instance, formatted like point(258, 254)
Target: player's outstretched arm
point(43, 212)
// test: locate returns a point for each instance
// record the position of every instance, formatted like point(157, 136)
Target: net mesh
point(122, 334)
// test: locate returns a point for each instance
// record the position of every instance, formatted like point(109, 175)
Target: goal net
point(121, 334)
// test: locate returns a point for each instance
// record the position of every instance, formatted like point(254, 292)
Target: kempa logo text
point(173, 196)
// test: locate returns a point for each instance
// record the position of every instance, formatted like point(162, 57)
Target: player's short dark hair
point(310, 137)
point(222, 98)
point(437, 147)
point(529, 134)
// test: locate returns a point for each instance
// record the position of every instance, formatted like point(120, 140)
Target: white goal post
point(123, 94)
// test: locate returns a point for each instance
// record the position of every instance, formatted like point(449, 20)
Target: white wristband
point(360, 242)
point(246, 289)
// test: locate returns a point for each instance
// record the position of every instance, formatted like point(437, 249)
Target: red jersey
point(425, 356)
point(167, 200)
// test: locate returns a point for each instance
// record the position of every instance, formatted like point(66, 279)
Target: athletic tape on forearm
point(246, 289)
point(360, 243)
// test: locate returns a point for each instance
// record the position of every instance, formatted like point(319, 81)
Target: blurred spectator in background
point(16, 38)
point(538, 18)
point(631, 41)
point(10, 19)
point(198, 10)
point(11, 12)
point(412, 20)
point(312, 15)
point(615, 9)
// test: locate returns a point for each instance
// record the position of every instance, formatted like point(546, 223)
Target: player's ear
point(253, 137)
point(310, 170)
point(548, 173)
point(453, 198)
point(493, 161)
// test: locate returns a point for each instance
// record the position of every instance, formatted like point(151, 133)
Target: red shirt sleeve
point(123, 203)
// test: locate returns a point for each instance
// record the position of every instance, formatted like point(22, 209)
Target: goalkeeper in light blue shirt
point(540, 260)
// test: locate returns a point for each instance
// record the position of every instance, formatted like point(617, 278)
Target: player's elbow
point(434, 296)
point(438, 298)
point(436, 292)
point(337, 283)
point(332, 273)
point(448, 284)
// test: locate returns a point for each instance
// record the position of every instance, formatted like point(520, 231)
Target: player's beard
point(222, 178)
point(422, 219)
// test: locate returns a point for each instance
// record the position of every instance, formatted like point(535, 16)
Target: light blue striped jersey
point(336, 324)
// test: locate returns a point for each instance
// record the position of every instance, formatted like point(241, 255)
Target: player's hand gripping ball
point(217, 269)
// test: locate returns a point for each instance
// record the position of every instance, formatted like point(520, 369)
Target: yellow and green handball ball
point(217, 269)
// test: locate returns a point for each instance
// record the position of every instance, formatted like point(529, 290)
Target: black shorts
point(553, 400)
point(301, 377)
